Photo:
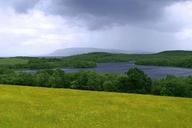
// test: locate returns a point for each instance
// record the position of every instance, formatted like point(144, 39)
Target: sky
point(39, 27)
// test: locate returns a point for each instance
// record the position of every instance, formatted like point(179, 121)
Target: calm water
point(155, 72)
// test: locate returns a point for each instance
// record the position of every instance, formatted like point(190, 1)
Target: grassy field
point(27, 107)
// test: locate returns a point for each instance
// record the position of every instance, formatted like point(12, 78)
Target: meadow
point(34, 107)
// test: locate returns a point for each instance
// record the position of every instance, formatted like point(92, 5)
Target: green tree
point(58, 79)
point(135, 81)
point(172, 86)
point(42, 79)
point(139, 80)
point(109, 86)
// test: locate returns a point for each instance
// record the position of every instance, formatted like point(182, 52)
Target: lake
point(155, 72)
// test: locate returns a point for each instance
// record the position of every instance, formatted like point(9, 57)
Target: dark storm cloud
point(112, 11)
point(98, 13)
point(123, 9)
point(101, 11)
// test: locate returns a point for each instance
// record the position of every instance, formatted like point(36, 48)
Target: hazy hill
point(77, 51)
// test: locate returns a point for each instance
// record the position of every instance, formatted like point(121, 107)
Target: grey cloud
point(20, 6)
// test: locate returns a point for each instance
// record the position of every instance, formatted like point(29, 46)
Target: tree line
point(133, 81)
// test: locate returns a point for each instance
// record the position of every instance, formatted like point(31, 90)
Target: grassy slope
point(27, 107)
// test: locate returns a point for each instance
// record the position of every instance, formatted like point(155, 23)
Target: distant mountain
point(77, 51)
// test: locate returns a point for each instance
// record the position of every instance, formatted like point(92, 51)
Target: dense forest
point(168, 58)
point(133, 81)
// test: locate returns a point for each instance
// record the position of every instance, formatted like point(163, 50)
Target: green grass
point(28, 107)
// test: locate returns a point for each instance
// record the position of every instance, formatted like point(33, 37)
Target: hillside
point(27, 107)
point(177, 52)
point(167, 58)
